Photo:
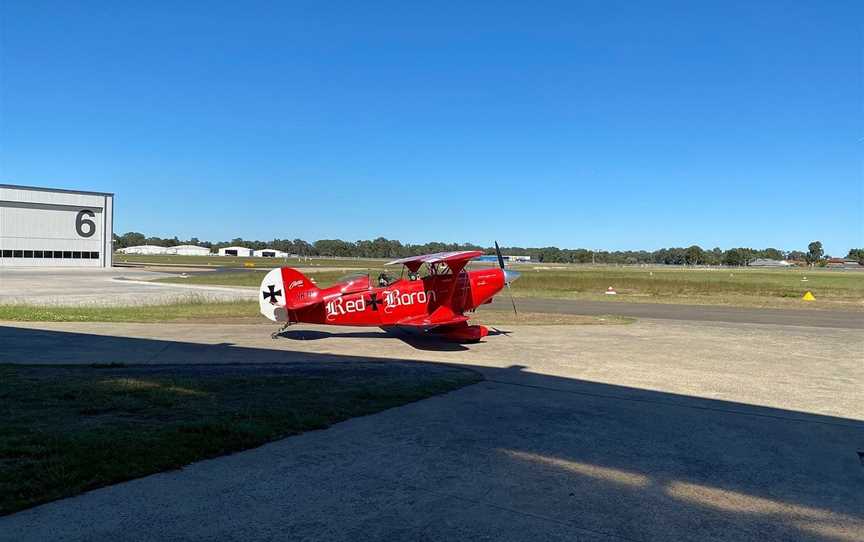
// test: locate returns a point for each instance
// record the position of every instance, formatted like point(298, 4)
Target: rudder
point(283, 290)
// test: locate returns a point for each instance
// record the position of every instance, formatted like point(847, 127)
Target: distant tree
point(814, 252)
point(156, 241)
point(856, 254)
point(129, 239)
point(771, 254)
point(334, 247)
point(714, 256)
point(694, 255)
point(734, 257)
point(303, 248)
point(382, 247)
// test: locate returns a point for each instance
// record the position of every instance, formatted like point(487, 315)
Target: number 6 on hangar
point(84, 219)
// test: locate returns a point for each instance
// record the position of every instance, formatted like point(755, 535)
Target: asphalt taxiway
point(658, 430)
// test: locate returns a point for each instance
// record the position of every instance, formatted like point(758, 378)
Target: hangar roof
point(61, 190)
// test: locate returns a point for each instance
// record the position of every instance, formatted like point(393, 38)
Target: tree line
point(390, 248)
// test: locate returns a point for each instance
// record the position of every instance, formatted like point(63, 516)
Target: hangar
point(270, 253)
point(235, 251)
point(143, 249)
point(49, 227)
point(188, 250)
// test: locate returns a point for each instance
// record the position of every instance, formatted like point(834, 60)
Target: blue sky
point(607, 125)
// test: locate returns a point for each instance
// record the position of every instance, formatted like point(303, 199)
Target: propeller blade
point(500, 257)
point(512, 300)
point(509, 276)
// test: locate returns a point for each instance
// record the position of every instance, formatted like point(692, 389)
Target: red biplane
point(435, 300)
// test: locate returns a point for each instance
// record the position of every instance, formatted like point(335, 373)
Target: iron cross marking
point(374, 301)
point(272, 294)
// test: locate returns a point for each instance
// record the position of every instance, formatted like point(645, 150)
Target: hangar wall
point(49, 227)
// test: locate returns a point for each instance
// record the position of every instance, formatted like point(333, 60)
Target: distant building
point(236, 251)
point(270, 253)
point(188, 250)
point(842, 263)
point(765, 262)
point(507, 258)
point(144, 249)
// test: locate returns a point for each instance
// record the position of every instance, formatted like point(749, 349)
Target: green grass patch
point(739, 287)
point(747, 287)
point(65, 430)
point(236, 261)
point(184, 311)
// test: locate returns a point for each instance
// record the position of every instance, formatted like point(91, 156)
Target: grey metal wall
point(49, 227)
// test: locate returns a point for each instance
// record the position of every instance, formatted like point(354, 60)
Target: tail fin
point(283, 290)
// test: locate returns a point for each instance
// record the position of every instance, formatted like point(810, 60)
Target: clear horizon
point(609, 127)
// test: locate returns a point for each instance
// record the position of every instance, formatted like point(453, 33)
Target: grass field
point(238, 262)
point(184, 312)
point(65, 430)
point(745, 287)
point(247, 312)
point(737, 287)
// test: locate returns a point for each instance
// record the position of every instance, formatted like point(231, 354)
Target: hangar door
point(54, 229)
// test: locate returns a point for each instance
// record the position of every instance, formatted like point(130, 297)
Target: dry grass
point(183, 311)
point(737, 287)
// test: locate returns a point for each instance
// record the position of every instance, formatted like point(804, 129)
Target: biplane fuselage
point(436, 301)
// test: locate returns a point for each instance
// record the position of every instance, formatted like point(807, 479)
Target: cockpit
point(385, 280)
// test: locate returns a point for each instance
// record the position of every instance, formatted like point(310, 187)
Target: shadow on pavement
point(417, 340)
point(608, 461)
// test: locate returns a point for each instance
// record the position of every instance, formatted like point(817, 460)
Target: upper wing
point(462, 256)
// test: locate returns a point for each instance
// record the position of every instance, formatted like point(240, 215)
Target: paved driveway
point(653, 431)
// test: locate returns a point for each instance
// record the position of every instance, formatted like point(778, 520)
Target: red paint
point(436, 301)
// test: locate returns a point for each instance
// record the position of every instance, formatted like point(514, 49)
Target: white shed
point(144, 249)
point(235, 251)
point(189, 250)
point(270, 253)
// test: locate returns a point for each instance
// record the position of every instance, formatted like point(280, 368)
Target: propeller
point(509, 276)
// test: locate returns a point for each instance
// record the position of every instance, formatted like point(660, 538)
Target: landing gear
point(275, 335)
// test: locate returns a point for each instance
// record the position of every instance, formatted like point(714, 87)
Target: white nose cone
point(271, 297)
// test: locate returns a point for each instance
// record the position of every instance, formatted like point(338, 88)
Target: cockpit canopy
point(355, 282)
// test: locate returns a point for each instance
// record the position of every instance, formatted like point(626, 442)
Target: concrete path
point(699, 313)
point(104, 287)
point(653, 431)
